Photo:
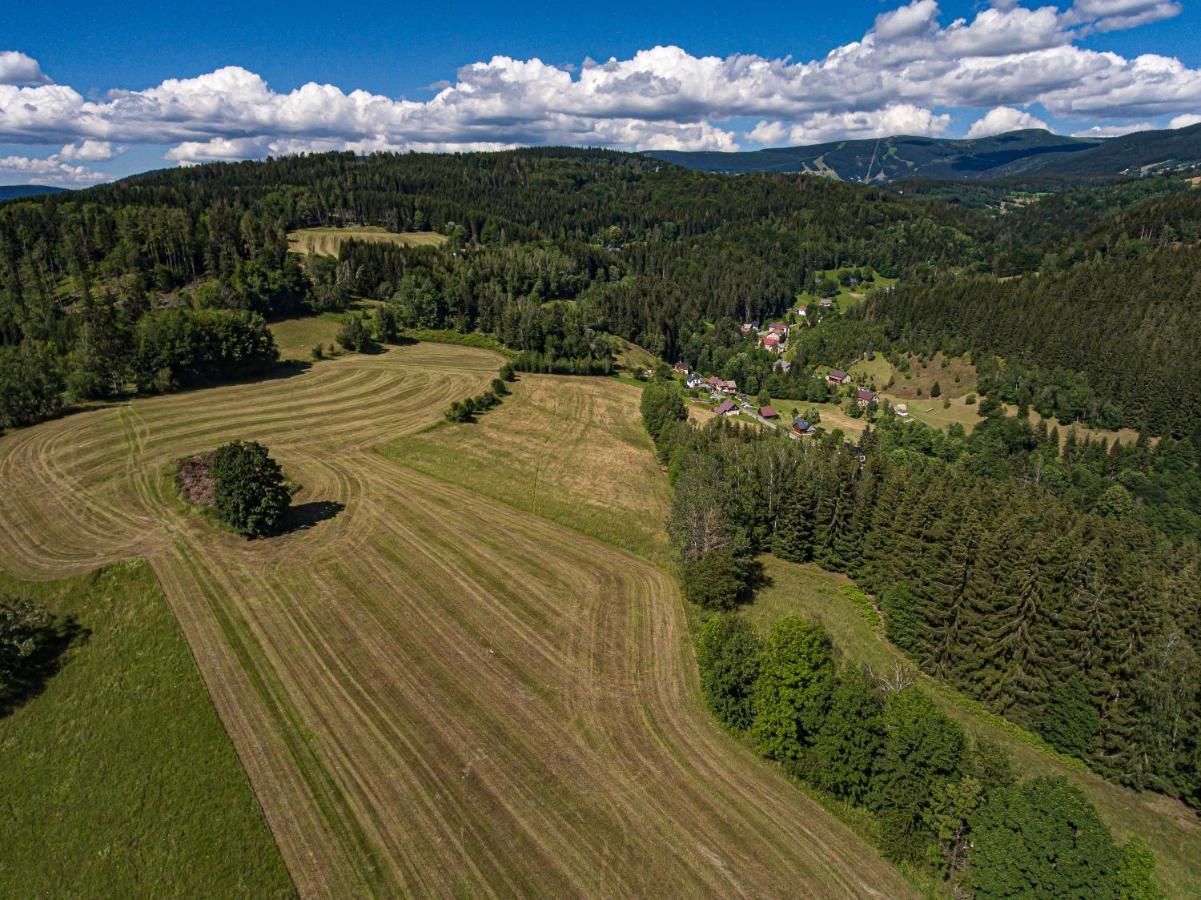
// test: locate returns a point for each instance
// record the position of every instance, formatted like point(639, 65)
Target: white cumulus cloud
point(17, 68)
point(52, 170)
point(89, 150)
point(896, 119)
point(1001, 119)
point(902, 77)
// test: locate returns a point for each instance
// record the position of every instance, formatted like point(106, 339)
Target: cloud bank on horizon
point(903, 77)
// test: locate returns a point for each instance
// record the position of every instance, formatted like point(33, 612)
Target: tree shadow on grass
point(305, 515)
point(36, 671)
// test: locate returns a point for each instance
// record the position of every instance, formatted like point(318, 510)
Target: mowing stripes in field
point(432, 692)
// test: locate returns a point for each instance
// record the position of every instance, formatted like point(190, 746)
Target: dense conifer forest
point(1081, 625)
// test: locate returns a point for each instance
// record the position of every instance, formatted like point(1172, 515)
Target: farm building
point(901, 409)
point(826, 303)
point(838, 377)
point(768, 412)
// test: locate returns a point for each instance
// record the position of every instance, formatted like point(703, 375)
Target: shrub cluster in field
point(240, 483)
point(30, 639)
point(881, 744)
point(466, 410)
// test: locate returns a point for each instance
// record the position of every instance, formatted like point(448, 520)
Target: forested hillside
point(1115, 341)
point(645, 251)
point(1082, 626)
point(554, 251)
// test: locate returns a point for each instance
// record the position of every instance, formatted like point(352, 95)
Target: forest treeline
point(551, 251)
point(1083, 626)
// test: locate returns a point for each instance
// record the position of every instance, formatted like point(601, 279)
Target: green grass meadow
point(118, 779)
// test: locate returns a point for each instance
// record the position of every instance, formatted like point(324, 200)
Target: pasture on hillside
point(118, 779)
point(326, 241)
point(432, 691)
point(1169, 826)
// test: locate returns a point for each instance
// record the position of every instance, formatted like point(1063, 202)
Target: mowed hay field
point(117, 779)
point(1170, 827)
point(572, 450)
point(326, 241)
point(432, 691)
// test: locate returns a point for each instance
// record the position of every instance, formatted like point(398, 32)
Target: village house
point(680, 368)
point(826, 303)
point(901, 409)
point(802, 426)
point(863, 397)
point(802, 311)
point(770, 342)
point(694, 381)
point(727, 387)
point(781, 365)
point(727, 408)
point(838, 377)
point(778, 328)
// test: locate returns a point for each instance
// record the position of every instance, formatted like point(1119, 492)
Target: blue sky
point(89, 92)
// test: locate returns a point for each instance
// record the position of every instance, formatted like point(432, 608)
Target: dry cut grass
point(572, 450)
point(433, 692)
point(326, 241)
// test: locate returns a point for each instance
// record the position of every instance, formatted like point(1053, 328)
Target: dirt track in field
point(432, 692)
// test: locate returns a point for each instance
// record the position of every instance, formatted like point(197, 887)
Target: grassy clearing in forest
point(434, 692)
point(297, 337)
point(1172, 830)
point(118, 779)
point(326, 241)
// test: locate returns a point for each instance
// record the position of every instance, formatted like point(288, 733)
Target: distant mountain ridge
point(16, 191)
point(1031, 152)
